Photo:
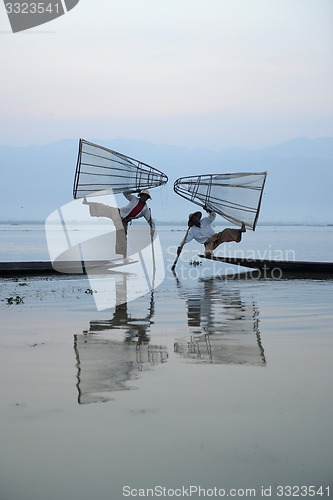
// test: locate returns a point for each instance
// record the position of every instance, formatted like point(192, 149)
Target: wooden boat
point(282, 266)
point(39, 268)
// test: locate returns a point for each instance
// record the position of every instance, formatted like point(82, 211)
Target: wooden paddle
point(181, 248)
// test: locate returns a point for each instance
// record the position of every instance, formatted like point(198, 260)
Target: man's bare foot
point(85, 202)
point(243, 228)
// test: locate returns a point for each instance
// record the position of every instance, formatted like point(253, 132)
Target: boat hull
point(284, 266)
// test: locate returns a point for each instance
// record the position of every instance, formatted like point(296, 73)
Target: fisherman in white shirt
point(121, 217)
point(200, 229)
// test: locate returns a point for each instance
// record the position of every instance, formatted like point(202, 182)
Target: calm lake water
point(206, 382)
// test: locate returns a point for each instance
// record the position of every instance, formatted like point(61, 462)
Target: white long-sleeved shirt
point(204, 232)
point(133, 200)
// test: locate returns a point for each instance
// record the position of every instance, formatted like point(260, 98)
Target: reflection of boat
point(115, 351)
point(223, 327)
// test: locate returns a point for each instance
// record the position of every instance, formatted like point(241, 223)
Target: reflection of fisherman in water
point(115, 351)
point(121, 217)
point(132, 328)
point(223, 328)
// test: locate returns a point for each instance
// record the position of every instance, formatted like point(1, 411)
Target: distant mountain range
point(38, 179)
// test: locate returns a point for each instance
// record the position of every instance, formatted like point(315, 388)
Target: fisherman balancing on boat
point(121, 217)
point(200, 229)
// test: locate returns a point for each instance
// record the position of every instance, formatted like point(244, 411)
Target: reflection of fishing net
point(105, 365)
point(101, 169)
point(224, 329)
point(236, 197)
point(234, 349)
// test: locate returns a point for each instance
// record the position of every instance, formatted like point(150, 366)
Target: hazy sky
point(213, 73)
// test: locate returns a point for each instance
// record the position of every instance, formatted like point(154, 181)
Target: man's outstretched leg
point(225, 236)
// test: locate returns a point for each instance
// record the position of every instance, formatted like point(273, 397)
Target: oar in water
point(181, 248)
